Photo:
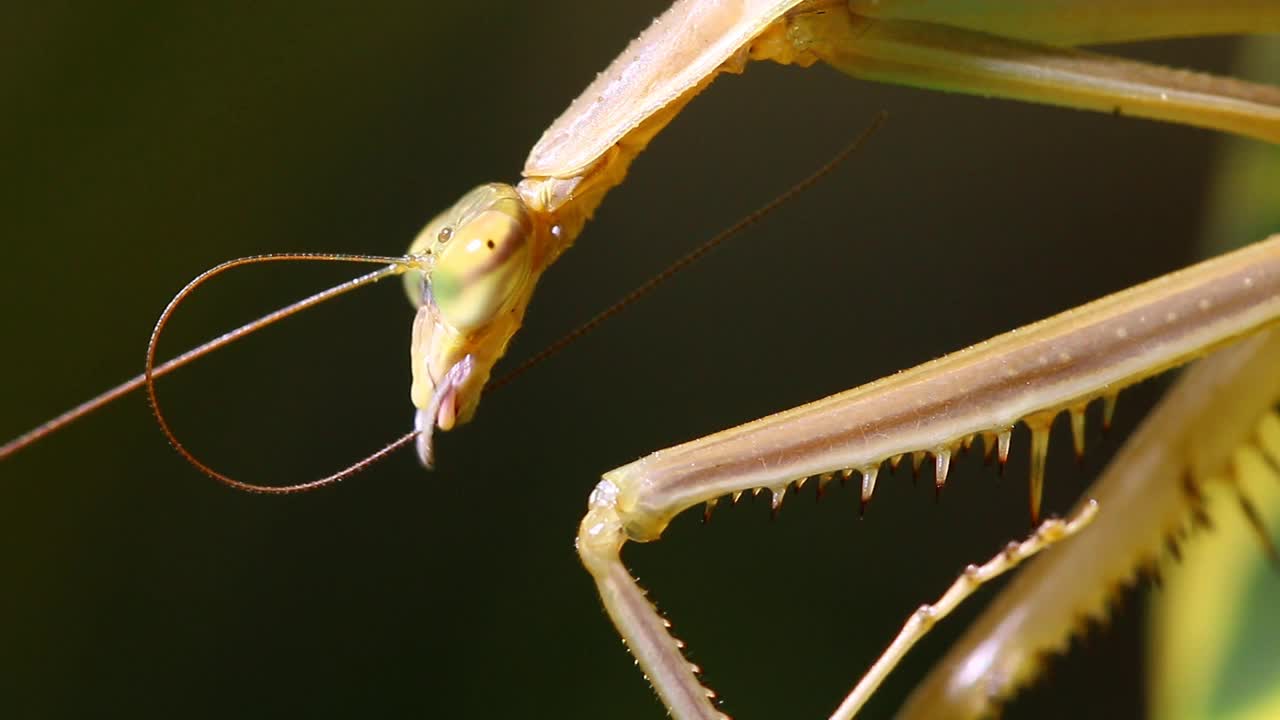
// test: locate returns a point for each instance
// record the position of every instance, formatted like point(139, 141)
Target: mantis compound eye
point(475, 257)
point(480, 269)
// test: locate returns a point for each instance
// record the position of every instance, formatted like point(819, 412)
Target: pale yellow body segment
point(681, 50)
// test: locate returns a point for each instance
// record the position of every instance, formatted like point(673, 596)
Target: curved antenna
point(44, 429)
point(394, 266)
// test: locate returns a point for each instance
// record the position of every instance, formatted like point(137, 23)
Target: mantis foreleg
point(1030, 374)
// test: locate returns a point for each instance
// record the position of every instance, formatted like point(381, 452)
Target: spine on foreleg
point(1149, 493)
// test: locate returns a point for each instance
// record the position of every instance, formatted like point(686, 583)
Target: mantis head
point(476, 267)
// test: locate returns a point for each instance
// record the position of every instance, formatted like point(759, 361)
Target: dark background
point(143, 142)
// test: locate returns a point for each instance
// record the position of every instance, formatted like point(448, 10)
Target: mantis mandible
point(857, 281)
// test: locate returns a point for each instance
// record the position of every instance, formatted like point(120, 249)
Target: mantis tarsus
point(1016, 265)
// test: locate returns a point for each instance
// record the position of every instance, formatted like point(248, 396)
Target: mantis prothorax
point(807, 32)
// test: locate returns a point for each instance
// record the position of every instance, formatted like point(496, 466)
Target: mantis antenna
point(394, 266)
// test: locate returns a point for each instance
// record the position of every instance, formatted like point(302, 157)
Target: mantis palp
point(858, 281)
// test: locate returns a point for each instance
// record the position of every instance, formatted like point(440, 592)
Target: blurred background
point(143, 142)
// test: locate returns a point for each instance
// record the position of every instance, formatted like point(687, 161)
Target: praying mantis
point(665, 415)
